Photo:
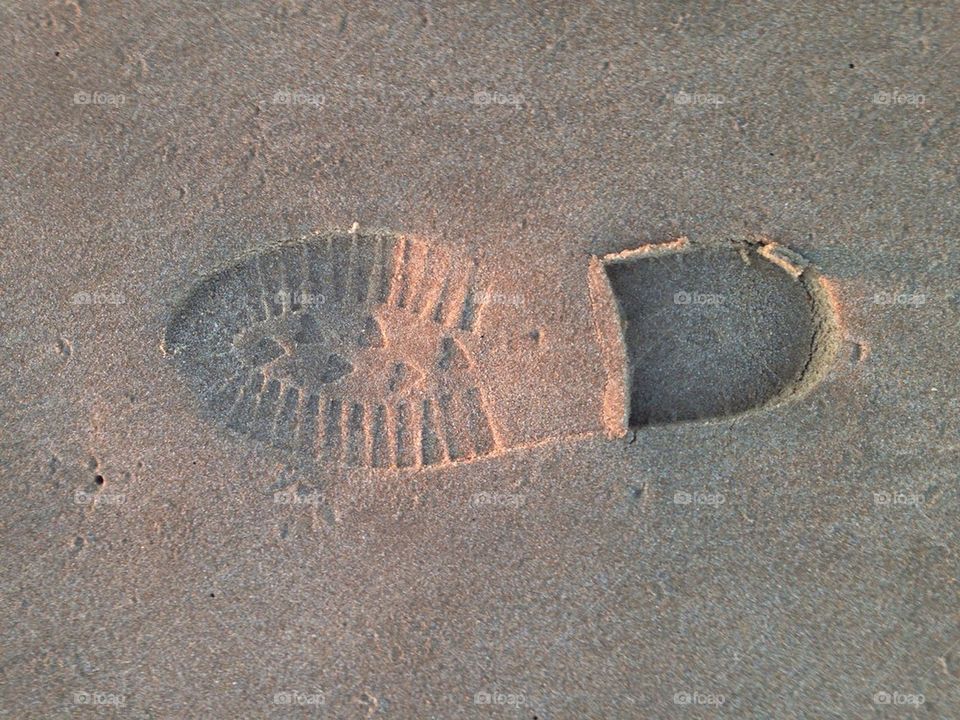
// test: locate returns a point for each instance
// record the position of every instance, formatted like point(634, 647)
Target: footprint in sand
point(365, 349)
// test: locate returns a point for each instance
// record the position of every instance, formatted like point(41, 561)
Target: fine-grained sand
point(404, 360)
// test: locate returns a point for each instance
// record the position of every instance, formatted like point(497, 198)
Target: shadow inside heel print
point(708, 330)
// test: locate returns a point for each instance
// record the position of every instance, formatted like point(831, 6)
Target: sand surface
point(592, 527)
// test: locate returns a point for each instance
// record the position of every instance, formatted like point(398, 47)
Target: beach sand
point(683, 442)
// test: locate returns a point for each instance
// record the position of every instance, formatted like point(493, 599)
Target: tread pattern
point(347, 347)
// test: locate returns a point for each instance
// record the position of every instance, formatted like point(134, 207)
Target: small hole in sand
point(99, 480)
